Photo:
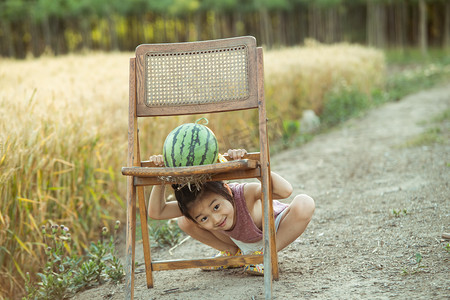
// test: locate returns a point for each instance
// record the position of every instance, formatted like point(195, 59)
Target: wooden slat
point(197, 263)
point(131, 190)
point(230, 166)
point(144, 227)
point(244, 174)
point(268, 224)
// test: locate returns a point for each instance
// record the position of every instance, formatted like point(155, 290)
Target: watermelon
point(190, 144)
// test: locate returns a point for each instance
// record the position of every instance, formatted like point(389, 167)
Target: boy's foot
point(220, 254)
point(255, 269)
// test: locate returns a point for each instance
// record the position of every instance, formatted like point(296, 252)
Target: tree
point(376, 23)
point(423, 42)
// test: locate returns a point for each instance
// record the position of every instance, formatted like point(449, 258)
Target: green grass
point(435, 134)
point(408, 72)
point(410, 56)
point(429, 137)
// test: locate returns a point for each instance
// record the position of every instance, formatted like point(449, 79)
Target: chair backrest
point(196, 77)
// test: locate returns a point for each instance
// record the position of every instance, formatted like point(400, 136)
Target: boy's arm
point(281, 189)
point(158, 208)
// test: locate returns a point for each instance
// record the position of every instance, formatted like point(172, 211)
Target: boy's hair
point(187, 196)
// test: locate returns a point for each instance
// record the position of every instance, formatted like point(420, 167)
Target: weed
point(442, 117)
point(447, 247)
point(398, 213)
point(416, 78)
point(418, 268)
point(66, 273)
point(290, 129)
point(343, 104)
point(165, 233)
point(429, 137)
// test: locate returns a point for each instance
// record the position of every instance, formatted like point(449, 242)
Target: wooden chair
point(193, 78)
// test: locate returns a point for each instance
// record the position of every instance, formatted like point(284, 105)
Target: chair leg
point(274, 254)
point(131, 238)
point(145, 237)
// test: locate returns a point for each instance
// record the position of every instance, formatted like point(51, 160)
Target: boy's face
point(213, 212)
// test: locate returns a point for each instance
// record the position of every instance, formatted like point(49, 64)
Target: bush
point(65, 273)
point(342, 105)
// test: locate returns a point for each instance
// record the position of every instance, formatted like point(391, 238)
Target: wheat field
point(63, 136)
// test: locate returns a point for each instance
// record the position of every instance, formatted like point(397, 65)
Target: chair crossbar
point(165, 265)
point(238, 174)
point(244, 164)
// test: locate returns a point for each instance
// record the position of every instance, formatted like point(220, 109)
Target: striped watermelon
point(190, 144)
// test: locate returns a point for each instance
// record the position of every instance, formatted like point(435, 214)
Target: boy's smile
point(213, 212)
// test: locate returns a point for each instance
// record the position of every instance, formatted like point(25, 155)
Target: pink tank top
point(245, 229)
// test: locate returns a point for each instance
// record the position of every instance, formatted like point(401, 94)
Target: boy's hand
point(158, 160)
point(236, 153)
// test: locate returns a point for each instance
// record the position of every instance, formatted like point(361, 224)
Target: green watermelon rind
point(176, 152)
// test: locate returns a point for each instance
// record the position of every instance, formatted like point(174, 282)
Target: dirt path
point(355, 246)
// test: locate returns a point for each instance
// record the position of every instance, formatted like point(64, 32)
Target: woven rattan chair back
point(196, 77)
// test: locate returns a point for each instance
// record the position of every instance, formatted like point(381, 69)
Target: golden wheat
point(300, 77)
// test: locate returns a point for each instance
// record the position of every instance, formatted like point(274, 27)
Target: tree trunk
point(47, 35)
point(266, 27)
point(303, 26)
point(376, 24)
point(332, 25)
point(399, 20)
point(198, 25)
point(113, 32)
point(7, 39)
point(86, 33)
point(446, 41)
point(312, 22)
point(33, 28)
point(423, 42)
point(238, 25)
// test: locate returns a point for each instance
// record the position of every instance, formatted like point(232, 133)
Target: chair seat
point(230, 166)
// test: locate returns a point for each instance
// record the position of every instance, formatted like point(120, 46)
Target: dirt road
point(381, 184)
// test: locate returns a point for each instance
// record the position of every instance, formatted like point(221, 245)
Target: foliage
point(419, 267)
point(342, 105)
point(398, 212)
point(65, 26)
point(66, 273)
point(165, 233)
point(290, 129)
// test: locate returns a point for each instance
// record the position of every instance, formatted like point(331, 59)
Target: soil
point(381, 183)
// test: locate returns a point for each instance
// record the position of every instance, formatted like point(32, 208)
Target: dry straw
point(63, 136)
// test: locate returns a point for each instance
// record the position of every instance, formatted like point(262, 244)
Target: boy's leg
point(215, 240)
point(293, 223)
point(295, 220)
